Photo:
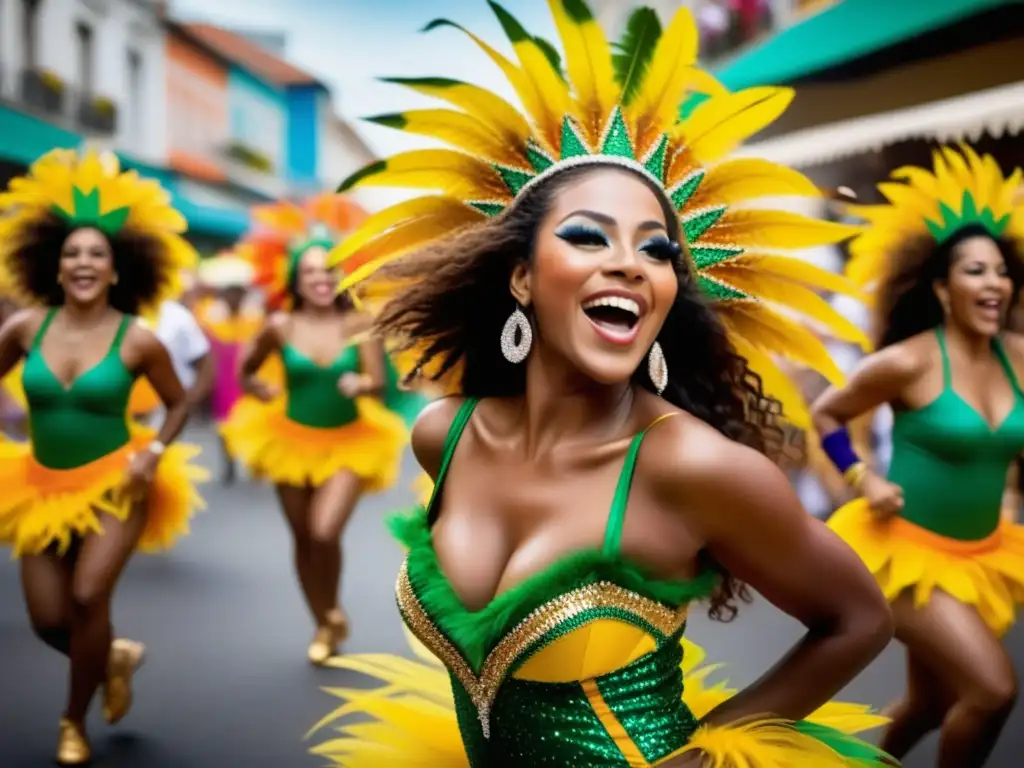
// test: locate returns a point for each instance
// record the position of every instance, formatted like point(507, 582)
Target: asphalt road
point(226, 682)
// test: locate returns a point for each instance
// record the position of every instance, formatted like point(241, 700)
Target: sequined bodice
point(589, 646)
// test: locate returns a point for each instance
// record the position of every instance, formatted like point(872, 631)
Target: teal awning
point(24, 138)
point(844, 32)
point(202, 219)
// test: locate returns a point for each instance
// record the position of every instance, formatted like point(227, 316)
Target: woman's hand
point(353, 385)
point(885, 498)
point(141, 471)
point(261, 390)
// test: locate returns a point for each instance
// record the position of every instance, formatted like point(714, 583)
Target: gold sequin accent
point(483, 690)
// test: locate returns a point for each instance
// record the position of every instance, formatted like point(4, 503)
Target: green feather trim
point(860, 753)
point(633, 53)
point(475, 633)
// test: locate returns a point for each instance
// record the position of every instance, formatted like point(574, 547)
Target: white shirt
point(185, 341)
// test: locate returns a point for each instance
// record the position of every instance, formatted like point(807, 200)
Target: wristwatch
point(156, 448)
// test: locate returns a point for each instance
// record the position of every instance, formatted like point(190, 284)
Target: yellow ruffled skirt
point(988, 574)
point(40, 507)
point(273, 446)
point(414, 724)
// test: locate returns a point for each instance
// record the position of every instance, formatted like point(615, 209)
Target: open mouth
point(617, 315)
point(83, 282)
point(990, 305)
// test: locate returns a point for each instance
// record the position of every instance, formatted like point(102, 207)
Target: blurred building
point(879, 83)
point(219, 117)
point(74, 70)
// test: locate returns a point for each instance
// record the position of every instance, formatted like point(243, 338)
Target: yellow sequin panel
point(483, 689)
point(629, 750)
point(593, 650)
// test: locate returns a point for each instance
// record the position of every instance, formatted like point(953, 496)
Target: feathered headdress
point(961, 190)
point(619, 105)
point(284, 231)
point(92, 191)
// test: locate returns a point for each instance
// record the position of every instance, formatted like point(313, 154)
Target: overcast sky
point(349, 43)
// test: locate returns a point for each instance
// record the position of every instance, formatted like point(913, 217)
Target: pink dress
point(227, 387)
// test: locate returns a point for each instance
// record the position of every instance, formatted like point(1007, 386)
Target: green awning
point(24, 138)
point(844, 32)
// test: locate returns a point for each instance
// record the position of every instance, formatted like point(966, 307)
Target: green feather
point(552, 55)
point(370, 170)
point(632, 54)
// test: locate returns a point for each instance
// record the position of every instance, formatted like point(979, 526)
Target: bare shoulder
point(277, 325)
point(903, 361)
point(358, 323)
point(693, 467)
point(431, 430)
point(140, 336)
point(24, 324)
point(1014, 345)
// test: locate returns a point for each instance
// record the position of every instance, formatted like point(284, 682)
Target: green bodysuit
point(314, 399)
point(577, 666)
point(72, 426)
point(950, 463)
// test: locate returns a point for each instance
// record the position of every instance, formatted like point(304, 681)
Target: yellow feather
point(775, 229)
point(588, 63)
point(799, 271)
point(406, 238)
point(775, 382)
point(526, 89)
point(795, 297)
point(462, 131)
point(455, 173)
point(553, 102)
point(720, 124)
point(488, 108)
point(738, 181)
point(774, 333)
point(910, 199)
point(410, 210)
point(655, 107)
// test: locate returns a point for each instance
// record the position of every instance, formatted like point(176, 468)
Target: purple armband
point(839, 449)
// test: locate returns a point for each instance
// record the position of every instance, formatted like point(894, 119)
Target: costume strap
point(617, 514)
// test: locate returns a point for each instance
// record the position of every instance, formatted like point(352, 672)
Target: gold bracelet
point(855, 475)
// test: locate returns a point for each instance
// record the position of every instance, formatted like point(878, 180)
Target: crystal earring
point(657, 368)
point(513, 352)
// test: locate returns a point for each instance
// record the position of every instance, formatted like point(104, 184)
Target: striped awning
point(996, 111)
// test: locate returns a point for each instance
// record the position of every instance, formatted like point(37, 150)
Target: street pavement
point(226, 682)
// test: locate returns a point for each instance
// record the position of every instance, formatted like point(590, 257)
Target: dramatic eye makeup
point(579, 233)
point(660, 247)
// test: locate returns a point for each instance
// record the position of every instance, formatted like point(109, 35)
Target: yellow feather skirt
point(41, 507)
point(414, 725)
point(274, 447)
point(988, 574)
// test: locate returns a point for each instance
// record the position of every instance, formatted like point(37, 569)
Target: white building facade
point(94, 68)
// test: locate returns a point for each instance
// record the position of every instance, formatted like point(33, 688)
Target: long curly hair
point(453, 298)
point(907, 304)
point(141, 262)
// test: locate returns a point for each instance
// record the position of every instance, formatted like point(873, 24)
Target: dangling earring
point(513, 352)
point(114, 281)
point(657, 368)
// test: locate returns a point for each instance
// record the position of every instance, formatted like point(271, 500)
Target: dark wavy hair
point(454, 299)
point(907, 304)
point(141, 262)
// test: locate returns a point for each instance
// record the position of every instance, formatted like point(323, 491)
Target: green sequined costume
point(583, 664)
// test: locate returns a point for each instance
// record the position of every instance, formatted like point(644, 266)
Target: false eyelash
point(663, 249)
point(580, 234)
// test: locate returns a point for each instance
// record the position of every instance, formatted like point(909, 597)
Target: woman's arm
point(155, 364)
point(371, 368)
point(256, 352)
point(751, 523)
point(13, 335)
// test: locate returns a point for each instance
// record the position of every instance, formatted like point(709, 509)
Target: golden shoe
point(73, 748)
point(327, 638)
point(126, 656)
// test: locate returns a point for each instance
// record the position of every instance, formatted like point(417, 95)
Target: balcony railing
point(47, 96)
